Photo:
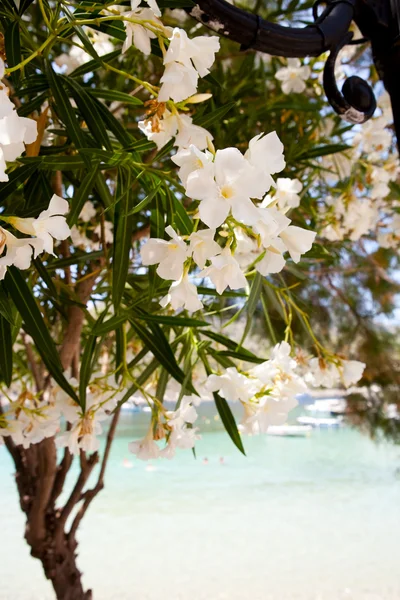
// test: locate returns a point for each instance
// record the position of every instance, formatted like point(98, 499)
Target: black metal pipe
point(251, 31)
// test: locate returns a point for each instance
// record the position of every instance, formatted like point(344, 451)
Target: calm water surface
point(297, 519)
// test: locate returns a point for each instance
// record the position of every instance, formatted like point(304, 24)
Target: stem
point(150, 88)
point(44, 15)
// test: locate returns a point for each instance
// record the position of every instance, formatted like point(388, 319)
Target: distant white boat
point(328, 405)
point(320, 422)
point(290, 430)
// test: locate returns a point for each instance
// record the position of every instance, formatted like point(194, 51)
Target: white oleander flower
point(108, 234)
point(273, 261)
point(15, 132)
point(224, 272)
point(88, 212)
point(180, 127)
point(203, 247)
point(169, 255)
point(234, 184)
point(374, 135)
point(293, 77)
point(351, 371)
point(297, 240)
point(19, 251)
point(79, 239)
point(182, 294)
point(146, 448)
point(50, 225)
point(190, 134)
point(265, 153)
point(287, 193)
point(178, 82)
point(268, 410)
point(269, 224)
point(322, 374)
point(232, 385)
point(191, 159)
point(280, 362)
point(200, 50)
point(140, 35)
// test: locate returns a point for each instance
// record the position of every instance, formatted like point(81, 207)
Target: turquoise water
point(297, 519)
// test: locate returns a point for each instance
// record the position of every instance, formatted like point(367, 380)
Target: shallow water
point(297, 519)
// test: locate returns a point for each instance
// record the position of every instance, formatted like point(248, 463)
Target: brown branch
point(62, 472)
point(37, 375)
point(86, 469)
point(89, 495)
point(44, 474)
point(75, 322)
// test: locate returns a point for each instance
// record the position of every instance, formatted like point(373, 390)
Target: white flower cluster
point(321, 373)
point(267, 391)
point(178, 431)
point(29, 420)
point(85, 427)
point(364, 209)
point(185, 61)
point(224, 184)
point(15, 131)
point(50, 225)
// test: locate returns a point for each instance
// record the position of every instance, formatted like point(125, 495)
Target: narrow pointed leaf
point(5, 351)
point(123, 225)
point(228, 421)
point(36, 327)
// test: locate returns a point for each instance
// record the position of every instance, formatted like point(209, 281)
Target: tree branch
point(89, 495)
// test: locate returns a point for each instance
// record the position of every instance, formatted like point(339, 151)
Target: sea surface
point(314, 518)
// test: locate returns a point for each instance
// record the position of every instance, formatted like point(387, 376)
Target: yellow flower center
point(227, 192)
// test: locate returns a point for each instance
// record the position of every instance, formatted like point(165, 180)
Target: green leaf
point(15, 179)
point(115, 96)
point(81, 196)
point(162, 353)
point(322, 151)
point(183, 222)
point(13, 48)
point(228, 421)
point(36, 327)
point(143, 203)
point(112, 324)
point(87, 364)
point(172, 321)
point(123, 225)
point(41, 269)
point(5, 305)
point(64, 109)
point(215, 115)
point(88, 108)
point(233, 346)
point(93, 65)
point(120, 351)
point(239, 355)
point(251, 304)
point(24, 5)
point(113, 125)
point(5, 351)
point(56, 163)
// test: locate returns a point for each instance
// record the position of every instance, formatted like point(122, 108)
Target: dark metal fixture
point(378, 21)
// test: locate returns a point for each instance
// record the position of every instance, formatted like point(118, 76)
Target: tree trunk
point(37, 475)
point(59, 563)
